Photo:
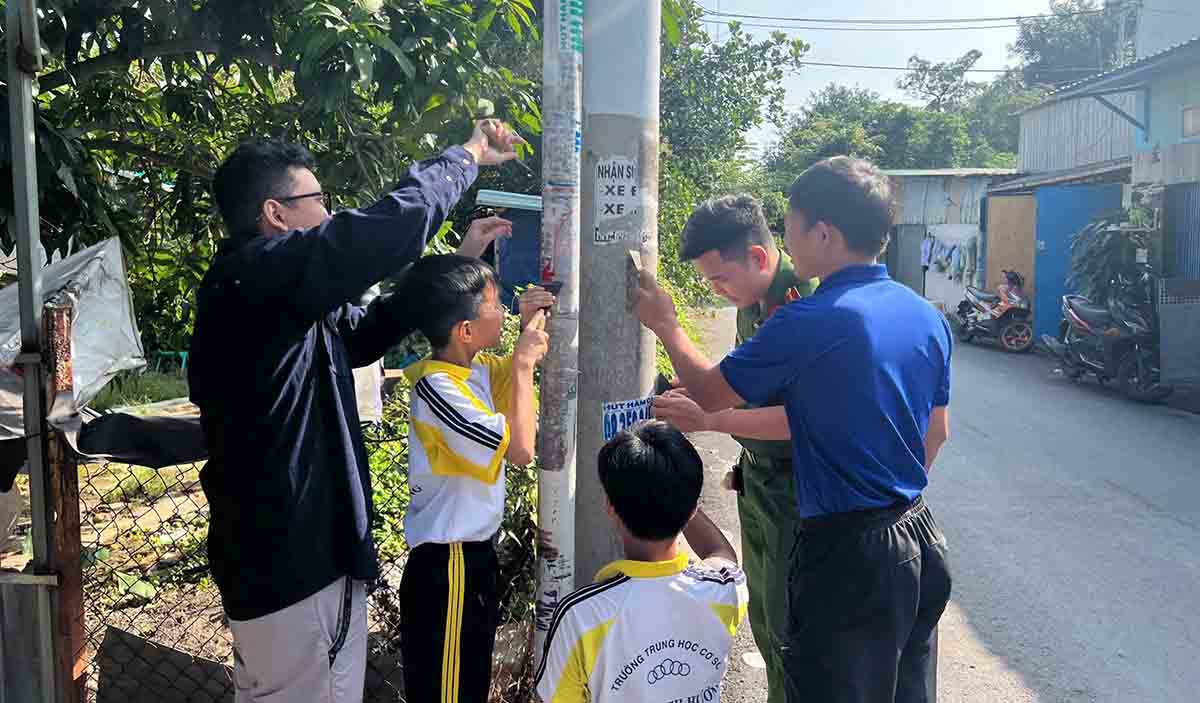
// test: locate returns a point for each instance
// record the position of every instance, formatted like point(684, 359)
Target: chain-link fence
point(155, 629)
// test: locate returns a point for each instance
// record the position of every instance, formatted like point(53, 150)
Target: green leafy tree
point(1077, 39)
point(942, 86)
point(142, 98)
point(712, 94)
point(857, 122)
point(993, 122)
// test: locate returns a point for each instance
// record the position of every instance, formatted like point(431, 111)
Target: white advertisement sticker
point(625, 413)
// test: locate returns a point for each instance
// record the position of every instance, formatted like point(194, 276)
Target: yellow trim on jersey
point(444, 461)
point(573, 683)
point(644, 569)
point(452, 642)
point(500, 377)
point(730, 615)
point(429, 365)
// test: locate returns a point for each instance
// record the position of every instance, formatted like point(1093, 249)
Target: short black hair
point(258, 169)
point(730, 224)
point(653, 476)
point(850, 194)
point(448, 288)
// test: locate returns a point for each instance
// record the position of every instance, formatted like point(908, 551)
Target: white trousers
point(314, 651)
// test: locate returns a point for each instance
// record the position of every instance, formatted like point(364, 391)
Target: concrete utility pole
point(562, 80)
point(620, 215)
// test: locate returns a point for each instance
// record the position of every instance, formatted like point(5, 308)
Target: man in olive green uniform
point(729, 242)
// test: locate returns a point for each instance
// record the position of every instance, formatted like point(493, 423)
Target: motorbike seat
point(983, 295)
point(1094, 315)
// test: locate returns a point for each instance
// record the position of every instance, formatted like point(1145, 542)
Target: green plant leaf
point(385, 43)
point(134, 585)
point(364, 61)
point(485, 21)
point(670, 20)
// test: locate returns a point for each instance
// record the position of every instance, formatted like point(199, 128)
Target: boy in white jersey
point(651, 628)
point(469, 412)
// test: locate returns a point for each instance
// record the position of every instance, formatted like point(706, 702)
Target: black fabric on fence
point(151, 441)
point(12, 458)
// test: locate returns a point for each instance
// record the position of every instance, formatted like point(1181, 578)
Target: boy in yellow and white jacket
point(469, 413)
point(652, 627)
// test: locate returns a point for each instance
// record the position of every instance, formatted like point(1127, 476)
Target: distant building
point(936, 244)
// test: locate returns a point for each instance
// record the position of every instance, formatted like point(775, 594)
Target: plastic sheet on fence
point(104, 335)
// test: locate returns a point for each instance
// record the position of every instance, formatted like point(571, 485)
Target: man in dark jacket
point(275, 342)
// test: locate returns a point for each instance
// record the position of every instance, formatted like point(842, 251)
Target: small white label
point(1141, 256)
point(619, 235)
point(625, 413)
point(616, 188)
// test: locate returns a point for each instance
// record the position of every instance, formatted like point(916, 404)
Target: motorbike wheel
point(1139, 379)
point(1016, 336)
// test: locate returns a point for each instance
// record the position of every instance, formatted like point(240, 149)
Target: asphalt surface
point(1073, 518)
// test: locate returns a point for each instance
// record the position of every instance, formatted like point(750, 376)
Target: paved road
point(1073, 518)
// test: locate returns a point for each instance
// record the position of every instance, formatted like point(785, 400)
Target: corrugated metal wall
point(940, 200)
point(1061, 212)
point(1183, 229)
point(903, 256)
point(1075, 133)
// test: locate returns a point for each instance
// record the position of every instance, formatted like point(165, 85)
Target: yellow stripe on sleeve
point(573, 682)
point(730, 615)
point(444, 461)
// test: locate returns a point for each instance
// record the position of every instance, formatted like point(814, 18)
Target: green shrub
point(131, 388)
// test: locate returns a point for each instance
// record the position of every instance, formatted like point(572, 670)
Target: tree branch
point(201, 170)
point(85, 71)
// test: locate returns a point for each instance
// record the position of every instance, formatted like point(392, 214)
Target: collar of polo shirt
point(643, 569)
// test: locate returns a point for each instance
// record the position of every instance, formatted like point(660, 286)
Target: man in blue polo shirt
point(863, 366)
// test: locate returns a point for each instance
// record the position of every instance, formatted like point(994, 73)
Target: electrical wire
point(870, 29)
point(937, 20)
point(909, 68)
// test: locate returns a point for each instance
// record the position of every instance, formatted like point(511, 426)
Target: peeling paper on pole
point(560, 207)
point(104, 334)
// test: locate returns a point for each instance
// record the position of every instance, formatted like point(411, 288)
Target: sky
point(890, 48)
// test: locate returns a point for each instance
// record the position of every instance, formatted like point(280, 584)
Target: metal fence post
point(24, 59)
point(63, 484)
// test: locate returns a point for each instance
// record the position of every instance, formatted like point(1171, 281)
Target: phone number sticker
point(625, 413)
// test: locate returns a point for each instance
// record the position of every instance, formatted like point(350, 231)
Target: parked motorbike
point(1003, 316)
point(1118, 341)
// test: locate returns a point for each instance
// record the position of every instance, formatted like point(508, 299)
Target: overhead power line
point(969, 70)
point(933, 20)
point(872, 29)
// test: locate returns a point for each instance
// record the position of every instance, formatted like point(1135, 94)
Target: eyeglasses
point(326, 198)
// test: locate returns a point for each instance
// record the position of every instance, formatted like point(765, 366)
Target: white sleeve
point(563, 675)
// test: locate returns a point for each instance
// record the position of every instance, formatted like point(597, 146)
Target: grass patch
point(131, 388)
point(139, 483)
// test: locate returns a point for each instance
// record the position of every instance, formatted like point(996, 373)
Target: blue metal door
point(1061, 212)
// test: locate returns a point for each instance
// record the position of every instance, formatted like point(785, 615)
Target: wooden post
point(63, 483)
